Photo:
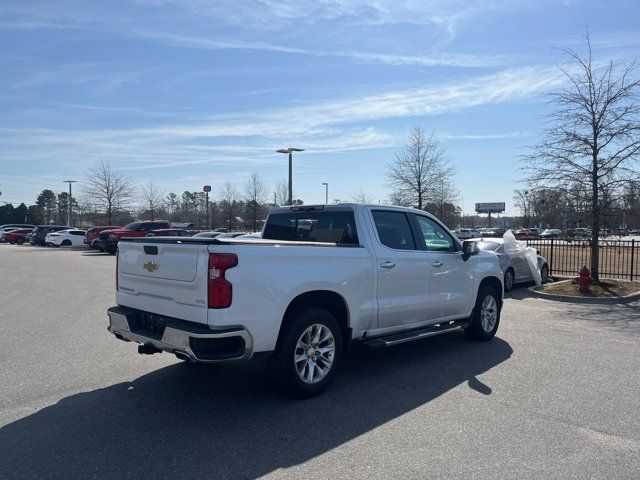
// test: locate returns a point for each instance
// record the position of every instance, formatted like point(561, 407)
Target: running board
point(430, 331)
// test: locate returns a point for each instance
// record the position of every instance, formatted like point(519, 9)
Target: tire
point(509, 279)
point(544, 273)
point(485, 318)
point(308, 376)
point(66, 243)
point(111, 250)
point(12, 242)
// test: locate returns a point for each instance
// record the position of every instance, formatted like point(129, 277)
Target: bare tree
point(418, 169)
point(151, 197)
point(593, 136)
point(281, 192)
point(361, 197)
point(108, 187)
point(228, 199)
point(255, 195)
point(523, 199)
point(443, 197)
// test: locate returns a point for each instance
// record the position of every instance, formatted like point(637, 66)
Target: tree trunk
point(595, 222)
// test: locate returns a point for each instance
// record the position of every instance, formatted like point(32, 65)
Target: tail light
point(219, 287)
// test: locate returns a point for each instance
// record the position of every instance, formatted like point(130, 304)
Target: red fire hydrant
point(584, 279)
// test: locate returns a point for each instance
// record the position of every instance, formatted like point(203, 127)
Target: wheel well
point(495, 284)
point(324, 299)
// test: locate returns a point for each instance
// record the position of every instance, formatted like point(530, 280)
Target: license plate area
point(151, 325)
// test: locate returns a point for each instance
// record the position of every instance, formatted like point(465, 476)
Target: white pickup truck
point(320, 278)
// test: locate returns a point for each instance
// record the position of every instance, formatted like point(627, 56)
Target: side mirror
point(469, 247)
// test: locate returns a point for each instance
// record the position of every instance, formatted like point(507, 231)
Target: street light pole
point(326, 193)
point(206, 189)
point(290, 151)
point(70, 201)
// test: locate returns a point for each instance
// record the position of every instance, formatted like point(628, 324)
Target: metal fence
point(618, 258)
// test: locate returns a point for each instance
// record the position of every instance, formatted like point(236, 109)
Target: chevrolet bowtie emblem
point(151, 267)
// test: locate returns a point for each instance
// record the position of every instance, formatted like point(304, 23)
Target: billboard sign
point(495, 207)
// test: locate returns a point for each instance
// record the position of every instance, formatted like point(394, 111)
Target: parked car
point(108, 239)
point(39, 234)
point(66, 238)
point(8, 227)
point(94, 232)
point(231, 235)
point(525, 234)
point(514, 265)
point(207, 234)
point(251, 235)
point(17, 236)
point(169, 232)
point(323, 277)
point(466, 233)
point(493, 233)
point(551, 233)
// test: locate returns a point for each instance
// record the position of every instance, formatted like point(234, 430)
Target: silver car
point(514, 266)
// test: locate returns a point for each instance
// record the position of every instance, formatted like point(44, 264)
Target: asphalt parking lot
point(555, 394)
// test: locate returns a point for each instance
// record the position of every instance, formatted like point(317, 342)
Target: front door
point(451, 286)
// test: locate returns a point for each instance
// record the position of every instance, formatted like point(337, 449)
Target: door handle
point(387, 265)
point(437, 264)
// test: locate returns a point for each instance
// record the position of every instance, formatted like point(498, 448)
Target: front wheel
point(308, 353)
point(485, 318)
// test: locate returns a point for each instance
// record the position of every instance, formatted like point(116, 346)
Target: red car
point(94, 232)
point(108, 239)
point(525, 234)
point(17, 236)
point(170, 232)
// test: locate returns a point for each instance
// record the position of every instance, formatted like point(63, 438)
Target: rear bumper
point(196, 341)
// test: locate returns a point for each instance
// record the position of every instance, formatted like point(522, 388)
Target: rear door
point(403, 270)
point(451, 283)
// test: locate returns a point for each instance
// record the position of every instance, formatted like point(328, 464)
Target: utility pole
point(70, 201)
point(326, 193)
point(290, 151)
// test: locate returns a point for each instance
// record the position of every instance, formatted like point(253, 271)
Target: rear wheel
point(66, 243)
point(308, 353)
point(544, 273)
point(485, 318)
point(509, 280)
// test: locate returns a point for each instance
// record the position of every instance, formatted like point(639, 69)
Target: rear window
point(325, 226)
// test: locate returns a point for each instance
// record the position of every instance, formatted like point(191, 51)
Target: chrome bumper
point(181, 337)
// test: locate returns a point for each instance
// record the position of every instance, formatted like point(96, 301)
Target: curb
point(593, 300)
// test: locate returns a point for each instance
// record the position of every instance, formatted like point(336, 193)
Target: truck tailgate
point(164, 278)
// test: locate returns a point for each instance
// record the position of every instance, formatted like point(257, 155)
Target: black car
point(40, 233)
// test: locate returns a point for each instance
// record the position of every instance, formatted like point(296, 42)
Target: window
point(325, 226)
point(436, 238)
point(394, 230)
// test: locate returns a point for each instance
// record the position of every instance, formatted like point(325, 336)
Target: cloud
point(314, 119)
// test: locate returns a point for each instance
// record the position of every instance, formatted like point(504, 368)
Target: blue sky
point(190, 92)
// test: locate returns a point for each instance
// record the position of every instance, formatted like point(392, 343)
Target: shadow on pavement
point(230, 421)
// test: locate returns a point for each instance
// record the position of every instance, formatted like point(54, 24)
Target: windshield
point(132, 226)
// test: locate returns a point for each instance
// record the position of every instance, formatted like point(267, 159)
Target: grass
point(606, 288)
